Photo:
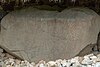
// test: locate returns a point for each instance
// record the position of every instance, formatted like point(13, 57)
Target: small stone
point(98, 55)
point(1, 63)
point(65, 63)
point(11, 60)
point(75, 60)
point(58, 62)
point(17, 61)
point(1, 50)
point(86, 60)
point(5, 58)
point(32, 63)
point(41, 64)
point(17, 65)
point(89, 55)
point(97, 64)
point(80, 59)
point(94, 59)
point(6, 62)
point(2, 55)
point(51, 64)
point(89, 65)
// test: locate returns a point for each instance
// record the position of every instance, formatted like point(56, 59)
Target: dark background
point(10, 5)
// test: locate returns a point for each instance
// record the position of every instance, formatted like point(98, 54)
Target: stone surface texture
point(37, 35)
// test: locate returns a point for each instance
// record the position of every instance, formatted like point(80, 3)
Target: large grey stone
point(49, 35)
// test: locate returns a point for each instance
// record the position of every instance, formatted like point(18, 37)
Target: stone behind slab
point(37, 35)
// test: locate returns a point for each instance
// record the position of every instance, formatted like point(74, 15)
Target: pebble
point(1, 50)
point(51, 64)
point(97, 64)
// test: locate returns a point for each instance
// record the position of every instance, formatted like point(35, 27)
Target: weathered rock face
point(49, 35)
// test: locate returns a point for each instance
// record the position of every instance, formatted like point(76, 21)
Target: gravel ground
point(91, 60)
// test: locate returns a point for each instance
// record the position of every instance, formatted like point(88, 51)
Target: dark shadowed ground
point(88, 50)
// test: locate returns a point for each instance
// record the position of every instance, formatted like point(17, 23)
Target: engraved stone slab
point(37, 35)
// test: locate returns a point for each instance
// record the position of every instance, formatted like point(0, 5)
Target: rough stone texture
point(49, 35)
